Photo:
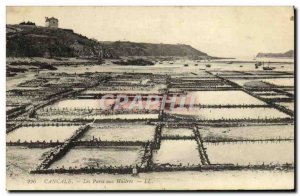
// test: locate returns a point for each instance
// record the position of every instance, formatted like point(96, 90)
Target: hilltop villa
point(51, 22)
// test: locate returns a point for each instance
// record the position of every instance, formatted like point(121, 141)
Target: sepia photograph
point(150, 98)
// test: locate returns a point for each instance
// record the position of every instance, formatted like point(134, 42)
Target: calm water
point(249, 132)
point(178, 67)
point(114, 156)
point(243, 153)
point(46, 133)
point(177, 132)
point(280, 81)
point(288, 105)
point(224, 98)
point(177, 152)
point(230, 113)
point(130, 133)
point(79, 104)
point(20, 160)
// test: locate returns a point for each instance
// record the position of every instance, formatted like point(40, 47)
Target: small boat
point(207, 65)
point(186, 65)
point(196, 65)
point(268, 67)
point(241, 66)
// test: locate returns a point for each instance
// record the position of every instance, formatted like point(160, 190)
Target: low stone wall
point(165, 168)
point(59, 151)
point(93, 170)
point(221, 167)
point(108, 143)
point(157, 136)
point(36, 144)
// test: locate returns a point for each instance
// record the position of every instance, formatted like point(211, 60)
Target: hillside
point(149, 49)
point(33, 41)
point(288, 54)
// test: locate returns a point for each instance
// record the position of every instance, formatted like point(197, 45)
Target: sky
point(217, 31)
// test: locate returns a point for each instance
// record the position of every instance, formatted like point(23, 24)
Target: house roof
point(52, 18)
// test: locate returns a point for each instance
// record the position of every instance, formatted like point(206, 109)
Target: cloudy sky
point(218, 31)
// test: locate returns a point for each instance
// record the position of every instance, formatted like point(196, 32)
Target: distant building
point(51, 22)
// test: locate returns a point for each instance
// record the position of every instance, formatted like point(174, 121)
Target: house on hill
point(51, 22)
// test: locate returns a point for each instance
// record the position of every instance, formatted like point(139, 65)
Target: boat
point(207, 65)
point(196, 65)
point(186, 65)
point(268, 67)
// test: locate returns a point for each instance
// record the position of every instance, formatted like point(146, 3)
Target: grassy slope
point(32, 41)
